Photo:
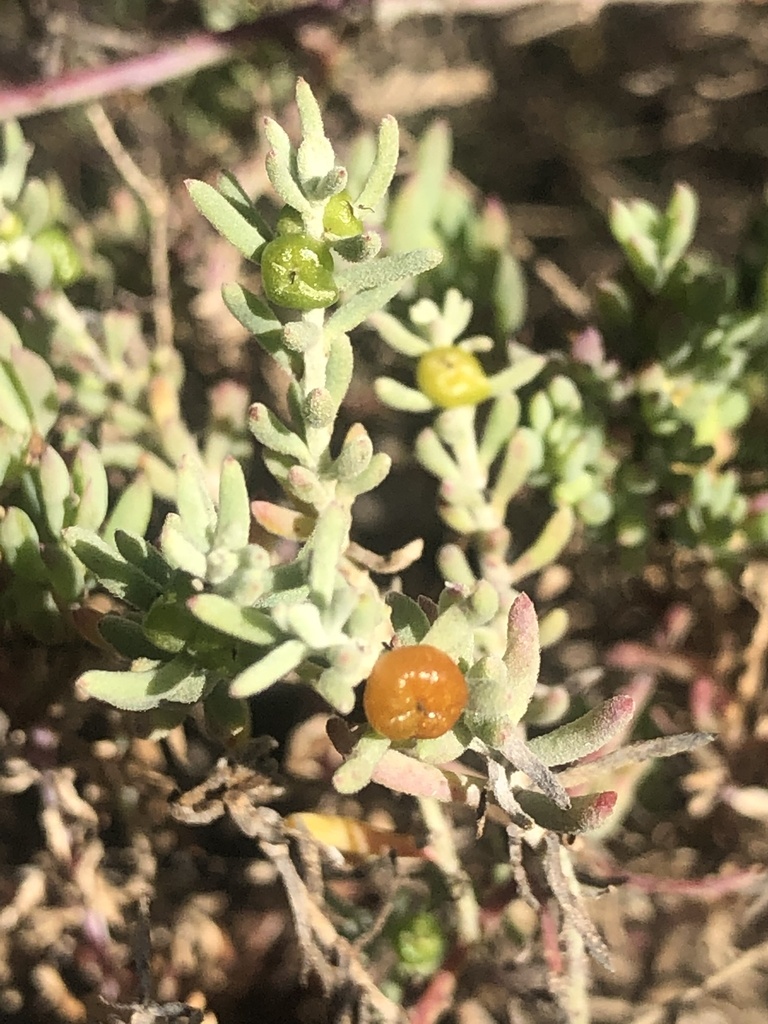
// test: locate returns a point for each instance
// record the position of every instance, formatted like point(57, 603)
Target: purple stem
point(137, 74)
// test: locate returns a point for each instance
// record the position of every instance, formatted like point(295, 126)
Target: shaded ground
point(555, 122)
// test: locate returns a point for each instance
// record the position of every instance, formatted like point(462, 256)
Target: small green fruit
point(297, 273)
point(339, 217)
point(67, 265)
point(451, 377)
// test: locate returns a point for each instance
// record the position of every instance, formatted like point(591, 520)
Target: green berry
point(67, 266)
point(297, 273)
point(339, 217)
point(420, 944)
point(451, 377)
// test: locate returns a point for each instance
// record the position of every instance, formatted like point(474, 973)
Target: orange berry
point(415, 692)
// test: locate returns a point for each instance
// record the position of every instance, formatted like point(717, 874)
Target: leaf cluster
point(643, 427)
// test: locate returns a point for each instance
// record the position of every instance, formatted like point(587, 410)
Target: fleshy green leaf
point(144, 556)
point(502, 420)
point(36, 385)
point(128, 638)
point(409, 622)
point(403, 774)
point(384, 165)
point(329, 540)
point(66, 573)
point(197, 513)
point(339, 368)
point(269, 669)
point(54, 487)
point(397, 335)
point(509, 293)
point(388, 270)
point(414, 211)
point(273, 434)
point(356, 453)
point(20, 546)
point(350, 314)
point(359, 247)
point(521, 657)
point(176, 681)
point(299, 481)
point(13, 410)
point(279, 168)
point(399, 396)
point(358, 769)
point(310, 114)
point(226, 218)
point(133, 509)
point(454, 566)
point(231, 189)
point(179, 551)
point(113, 572)
point(547, 546)
point(227, 719)
point(368, 480)
point(15, 157)
point(681, 216)
point(89, 480)
point(234, 514)
point(252, 311)
point(452, 633)
point(303, 621)
point(520, 373)
point(585, 735)
point(584, 814)
point(500, 690)
point(248, 624)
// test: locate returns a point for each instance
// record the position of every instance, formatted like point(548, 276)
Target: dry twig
point(749, 959)
point(154, 195)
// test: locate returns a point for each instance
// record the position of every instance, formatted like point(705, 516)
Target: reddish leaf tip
point(622, 706)
point(601, 807)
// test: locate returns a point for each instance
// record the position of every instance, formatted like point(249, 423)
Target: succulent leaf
point(585, 735)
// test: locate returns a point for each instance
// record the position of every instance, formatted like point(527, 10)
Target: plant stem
point(138, 74)
point(446, 858)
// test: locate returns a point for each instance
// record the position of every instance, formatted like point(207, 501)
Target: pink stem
point(137, 74)
point(438, 996)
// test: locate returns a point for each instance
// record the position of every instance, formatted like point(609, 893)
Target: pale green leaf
point(354, 311)
point(397, 267)
point(384, 165)
point(399, 396)
point(177, 681)
point(111, 570)
point(226, 218)
point(269, 669)
point(234, 514)
point(248, 624)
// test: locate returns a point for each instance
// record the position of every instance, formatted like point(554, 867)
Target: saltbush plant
point(210, 617)
point(641, 424)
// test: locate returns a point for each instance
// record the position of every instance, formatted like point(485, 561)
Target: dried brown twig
point(154, 195)
point(751, 958)
point(241, 793)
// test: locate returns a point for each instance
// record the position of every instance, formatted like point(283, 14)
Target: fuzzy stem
point(315, 366)
point(444, 853)
point(464, 443)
